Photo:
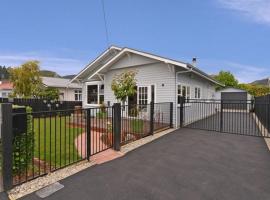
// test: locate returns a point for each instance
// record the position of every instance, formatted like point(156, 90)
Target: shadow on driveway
point(186, 164)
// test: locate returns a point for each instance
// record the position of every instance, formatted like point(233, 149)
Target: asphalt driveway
point(186, 164)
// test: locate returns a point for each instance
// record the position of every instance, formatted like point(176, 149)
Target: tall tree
point(4, 75)
point(227, 78)
point(26, 80)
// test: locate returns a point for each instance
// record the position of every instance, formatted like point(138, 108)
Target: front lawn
point(54, 140)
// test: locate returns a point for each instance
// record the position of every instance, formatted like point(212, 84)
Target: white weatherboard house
point(68, 92)
point(159, 79)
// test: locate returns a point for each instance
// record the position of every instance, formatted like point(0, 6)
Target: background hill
point(49, 73)
point(265, 82)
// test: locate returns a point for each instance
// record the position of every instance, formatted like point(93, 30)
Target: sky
point(65, 35)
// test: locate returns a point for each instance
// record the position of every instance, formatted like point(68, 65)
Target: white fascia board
point(125, 50)
point(95, 61)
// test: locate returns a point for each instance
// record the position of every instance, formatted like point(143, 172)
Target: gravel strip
point(133, 145)
point(41, 182)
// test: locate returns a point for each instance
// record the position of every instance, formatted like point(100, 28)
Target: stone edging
point(41, 182)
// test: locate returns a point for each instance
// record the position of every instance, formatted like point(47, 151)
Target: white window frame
point(98, 83)
point(78, 92)
point(186, 95)
point(200, 89)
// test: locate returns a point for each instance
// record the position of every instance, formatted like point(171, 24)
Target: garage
point(233, 98)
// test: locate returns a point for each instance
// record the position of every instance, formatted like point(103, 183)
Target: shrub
point(23, 145)
point(101, 114)
point(137, 125)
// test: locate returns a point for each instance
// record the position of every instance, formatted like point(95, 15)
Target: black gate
point(244, 117)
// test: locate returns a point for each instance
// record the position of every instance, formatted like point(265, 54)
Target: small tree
point(124, 85)
point(49, 93)
point(227, 78)
point(26, 80)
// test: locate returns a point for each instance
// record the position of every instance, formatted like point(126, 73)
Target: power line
point(105, 23)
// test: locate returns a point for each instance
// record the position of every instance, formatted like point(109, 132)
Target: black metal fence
point(138, 121)
point(42, 104)
point(237, 117)
point(262, 110)
point(55, 139)
point(51, 140)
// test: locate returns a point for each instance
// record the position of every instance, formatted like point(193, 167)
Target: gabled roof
point(123, 51)
point(99, 59)
point(59, 83)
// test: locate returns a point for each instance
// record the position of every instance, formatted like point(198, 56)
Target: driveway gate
point(236, 116)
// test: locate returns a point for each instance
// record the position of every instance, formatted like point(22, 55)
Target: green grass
point(54, 140)
point(137, 126)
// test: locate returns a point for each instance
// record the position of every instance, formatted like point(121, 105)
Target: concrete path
point(98, 143)
point(185, 164)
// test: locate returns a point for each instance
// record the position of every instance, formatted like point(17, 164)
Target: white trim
point(198, 87)
point(123, 51)
point(95, 61)
point(199, 74)
point(97, 83)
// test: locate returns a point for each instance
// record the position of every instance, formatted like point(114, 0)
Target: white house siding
point(149, 72)
point(193, 111)
point(163, 76)
point(157, 74)
point(69, 94)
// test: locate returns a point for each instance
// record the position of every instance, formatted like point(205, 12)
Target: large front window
point(95, 94)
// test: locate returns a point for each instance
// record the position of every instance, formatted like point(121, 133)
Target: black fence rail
point(53, 140)
point(237, 117)
point(42, 104)
point(37, 143)
point(262, 110)
point(138, 121)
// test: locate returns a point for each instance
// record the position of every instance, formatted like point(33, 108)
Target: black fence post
point(221, 116)
point(88, 132)
point(152, 108)
point(7, 137)
point(171, 114)
point(116, 126)
point(182, 101)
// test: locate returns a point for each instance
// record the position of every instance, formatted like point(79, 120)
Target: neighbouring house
point(68, 92)
point(159, 79)
point(6, 88)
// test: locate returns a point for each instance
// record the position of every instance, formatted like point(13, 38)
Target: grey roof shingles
point(59, 82)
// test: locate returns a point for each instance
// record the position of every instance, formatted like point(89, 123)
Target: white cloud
point(61, 65)
point(244, 73)
point(257, 10)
